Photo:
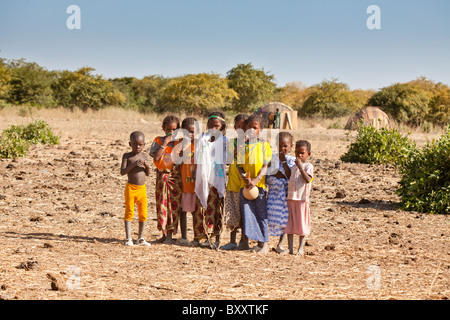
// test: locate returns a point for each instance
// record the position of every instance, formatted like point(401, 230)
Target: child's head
point(189, 125)
point(285, 142)
point(170, 124)
point(240, 121)
point(216, 120)
point(137, 141)
point(302, 149)
point(254, 125)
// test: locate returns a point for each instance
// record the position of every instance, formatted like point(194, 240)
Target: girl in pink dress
point(299, 189)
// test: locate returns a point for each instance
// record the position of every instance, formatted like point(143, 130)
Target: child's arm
point(162, 147)
point(124, 169)
point(250, 183)
point(147, 166)
point(305, 176)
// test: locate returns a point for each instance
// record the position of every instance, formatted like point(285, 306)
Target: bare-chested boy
point(136, 164)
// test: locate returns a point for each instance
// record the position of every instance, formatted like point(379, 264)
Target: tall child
point(299, 189)
point(210, 177)
point(277, 210)
point(189, 199)
point(168, 180)
point(253, 161)
point(232, 211)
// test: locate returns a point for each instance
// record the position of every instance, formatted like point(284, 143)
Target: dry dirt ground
point(61, 214)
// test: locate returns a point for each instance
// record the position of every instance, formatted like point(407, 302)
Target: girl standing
point(210, 178)
point(253, 160)
point(299, 189)
point(277, 210)
point(232, 211)
point(168, 180)
point(189, 200)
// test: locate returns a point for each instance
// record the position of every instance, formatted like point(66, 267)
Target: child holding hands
point(299, 189)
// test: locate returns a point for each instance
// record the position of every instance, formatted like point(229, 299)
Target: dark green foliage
point(404, 102)
point(30, 84)
point(85, 90)
point(381, 146)
point(330, 99)
point(253, 87)
point(15, 141)
point(425, 183)
point(13, 146)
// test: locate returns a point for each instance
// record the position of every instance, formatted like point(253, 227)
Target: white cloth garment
point(211, 165)
point(298, 189)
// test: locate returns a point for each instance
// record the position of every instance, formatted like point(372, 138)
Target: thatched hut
point(373, 116)
point(288, 116)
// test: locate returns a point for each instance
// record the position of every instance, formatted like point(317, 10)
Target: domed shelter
point(370, 115)
point(287, 116)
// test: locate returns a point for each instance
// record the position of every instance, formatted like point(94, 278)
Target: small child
point(210, 178)
point(189, 199)
point(168, 180)
point(232, 211)
point(257, 156)
point(277, 210)
point(299, 189)
point(135, 165)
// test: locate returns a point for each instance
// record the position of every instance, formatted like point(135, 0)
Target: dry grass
point(62, 208)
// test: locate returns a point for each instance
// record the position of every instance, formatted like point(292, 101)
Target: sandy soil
point(61, 213)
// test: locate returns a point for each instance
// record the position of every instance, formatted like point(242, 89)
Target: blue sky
point(296, 40)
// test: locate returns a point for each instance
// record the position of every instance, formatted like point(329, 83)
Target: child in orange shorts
point(136, 165)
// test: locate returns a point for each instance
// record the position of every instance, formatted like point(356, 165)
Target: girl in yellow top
point(253, 161)
point(232, 210)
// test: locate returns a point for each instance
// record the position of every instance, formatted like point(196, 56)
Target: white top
point(211, 166)
point(298, 189)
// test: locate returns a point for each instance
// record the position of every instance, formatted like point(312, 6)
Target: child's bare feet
point(281, 250)
point(264, 249)
point(168, 239)
point(161, 240)
point(243, 246)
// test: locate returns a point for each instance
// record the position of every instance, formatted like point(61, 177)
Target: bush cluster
point(16, 140)
point(425, 182)
point(382, 146)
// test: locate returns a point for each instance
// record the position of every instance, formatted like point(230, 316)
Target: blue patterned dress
point(277, 209)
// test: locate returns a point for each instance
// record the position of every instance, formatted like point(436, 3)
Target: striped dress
point(277, 209)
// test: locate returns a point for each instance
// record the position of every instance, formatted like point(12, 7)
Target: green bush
point(425, 183)
point(404, 102)
point(13, 146)
point(331, 99)
point(30, 84)
point(84, 90)
point(15, 141)
point(381, 146)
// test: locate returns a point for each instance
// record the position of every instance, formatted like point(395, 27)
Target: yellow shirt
point(256, 155)
point(235, 182)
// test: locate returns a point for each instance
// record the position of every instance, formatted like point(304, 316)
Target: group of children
point(192, 176)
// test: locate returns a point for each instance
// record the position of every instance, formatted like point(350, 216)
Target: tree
point(5, 78)
point(84, 90)
point(197, 93)
point(30, 84)
point(330, 99)
point(293, 94)
point(405, 102)
point(253, 87)
point(439, 108)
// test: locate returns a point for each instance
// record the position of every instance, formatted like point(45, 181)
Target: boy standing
point(135, 164)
